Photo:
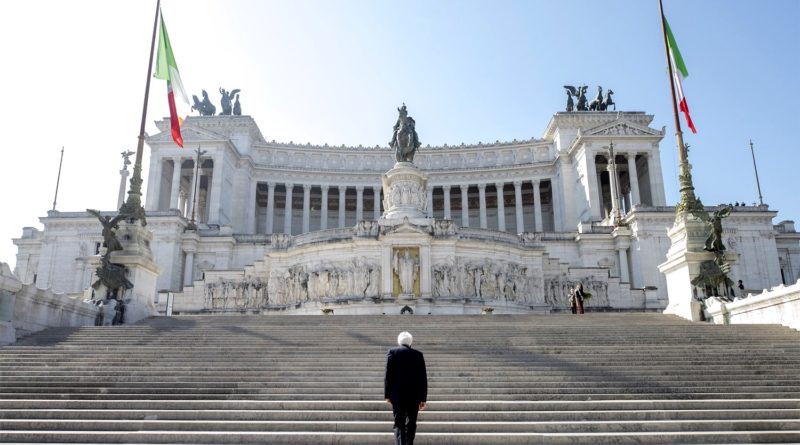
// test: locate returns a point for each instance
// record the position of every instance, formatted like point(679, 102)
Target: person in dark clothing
point(579, 297)
point(405, 387)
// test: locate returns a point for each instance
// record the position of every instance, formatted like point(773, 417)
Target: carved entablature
point(622, 129)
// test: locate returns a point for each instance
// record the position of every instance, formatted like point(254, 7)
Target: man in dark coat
point(405, 387)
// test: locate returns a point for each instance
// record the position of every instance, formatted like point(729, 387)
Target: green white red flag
point(679, 72)
point(167, 69)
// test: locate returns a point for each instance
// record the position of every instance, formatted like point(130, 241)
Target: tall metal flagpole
point(758, 184)
point(689, 201)
point(58, 180)
point(133, 206)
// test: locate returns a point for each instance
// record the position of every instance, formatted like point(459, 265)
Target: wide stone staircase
point(602, 378)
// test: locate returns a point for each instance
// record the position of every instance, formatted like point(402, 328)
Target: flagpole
point(689, 201)
point(753, 153)
point(58, 180)
point(133, 206)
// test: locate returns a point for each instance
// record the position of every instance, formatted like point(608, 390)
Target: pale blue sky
point(335, 71)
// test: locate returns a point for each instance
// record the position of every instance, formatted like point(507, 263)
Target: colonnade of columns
point(179, 185)
point(278, 208)
point(627, 188)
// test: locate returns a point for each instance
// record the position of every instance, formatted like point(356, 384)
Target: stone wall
point(779, 305)
point(25, 309)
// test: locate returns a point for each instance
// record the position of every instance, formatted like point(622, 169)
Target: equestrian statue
point(405, 141)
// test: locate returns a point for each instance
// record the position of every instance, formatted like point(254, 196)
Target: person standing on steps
point(405, 387)
point(579, 296)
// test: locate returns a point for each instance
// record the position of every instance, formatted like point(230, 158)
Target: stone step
point(465, 396)
point(430, 414)
point(334, 438)
point(424, 425)
point(631, 404)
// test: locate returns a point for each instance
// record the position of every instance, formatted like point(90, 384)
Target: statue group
point(599, 103)
point(405, 141)
point(229, 103)
point(109, 274)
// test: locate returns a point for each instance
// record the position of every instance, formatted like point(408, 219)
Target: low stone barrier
point(25, 309)
point(779, 305)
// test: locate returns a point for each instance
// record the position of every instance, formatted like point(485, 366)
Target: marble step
point(424, 425)
point(334, 438)
point(380, 413)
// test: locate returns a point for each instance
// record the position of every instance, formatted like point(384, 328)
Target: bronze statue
point(570, 104)
point(205, 107)
point(607, 102)
point(714, 223)
point(226, 101)
point(109, 225)
point(405, 141)
point(580, 94)
point(109, 274)
point(237, 107)
point(598, 100)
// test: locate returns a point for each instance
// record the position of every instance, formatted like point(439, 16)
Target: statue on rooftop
point(205, 107)
point(580, 95)
point(237, 107)
point(607, 101)
point(226, 101)
point(405, 141)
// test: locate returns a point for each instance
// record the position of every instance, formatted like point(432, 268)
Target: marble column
point(270, 206)
point(123, 185)
point(537, 206)
point(252, 209)
point(482, 196)
point(174, 193)
point(593, 184)
point(656, 179)
point(287, 216)
point(342, 192)
point(306, 208)
point(613, 187)
point(184, 203)
point(623, 266)
point(188, 269)
point(214, 201)
point(323, 224)
point(446, 190)
point(518, 206)
point(376, 211)
point(154, 184)
point(194, 192)
point(429, 202)
point(633, 176)
point(359, 203)
point(465, 206)
point(501, 207)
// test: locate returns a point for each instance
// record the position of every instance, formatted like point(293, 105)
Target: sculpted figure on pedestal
point(405, 141)
point(406, 268)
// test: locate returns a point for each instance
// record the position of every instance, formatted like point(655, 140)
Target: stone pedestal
point(684, 258)
point(405, 195)
point(142, 270)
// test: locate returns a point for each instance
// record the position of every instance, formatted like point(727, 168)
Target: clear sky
point(335, 71)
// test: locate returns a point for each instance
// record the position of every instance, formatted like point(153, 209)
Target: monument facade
point(513, 225)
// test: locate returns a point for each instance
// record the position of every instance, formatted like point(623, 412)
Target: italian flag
point(680, 72)
point(167, 69)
